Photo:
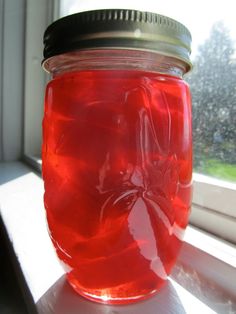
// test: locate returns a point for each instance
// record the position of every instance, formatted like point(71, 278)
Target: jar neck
point(114, 59)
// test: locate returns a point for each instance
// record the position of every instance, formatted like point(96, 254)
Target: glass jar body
point(117, 167)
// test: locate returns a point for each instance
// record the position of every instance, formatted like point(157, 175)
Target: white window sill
point(203, 281)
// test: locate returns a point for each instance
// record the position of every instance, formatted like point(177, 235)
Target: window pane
point(213, 85)
point(212, 80)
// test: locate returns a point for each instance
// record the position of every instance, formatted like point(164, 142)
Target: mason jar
point(117, 150)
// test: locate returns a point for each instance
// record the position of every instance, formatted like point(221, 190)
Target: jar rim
point(114, 59)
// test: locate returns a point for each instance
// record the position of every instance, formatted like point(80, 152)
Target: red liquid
point(117, 165)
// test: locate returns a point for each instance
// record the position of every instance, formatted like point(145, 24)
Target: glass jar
point(117, 150)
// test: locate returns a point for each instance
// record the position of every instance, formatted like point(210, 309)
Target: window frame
point(214, 206)
point(40, 13)
point(12, 28)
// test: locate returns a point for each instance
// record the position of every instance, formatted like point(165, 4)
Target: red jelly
point(117, 165)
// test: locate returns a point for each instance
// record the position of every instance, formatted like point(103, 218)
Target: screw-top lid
point(119, 29)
